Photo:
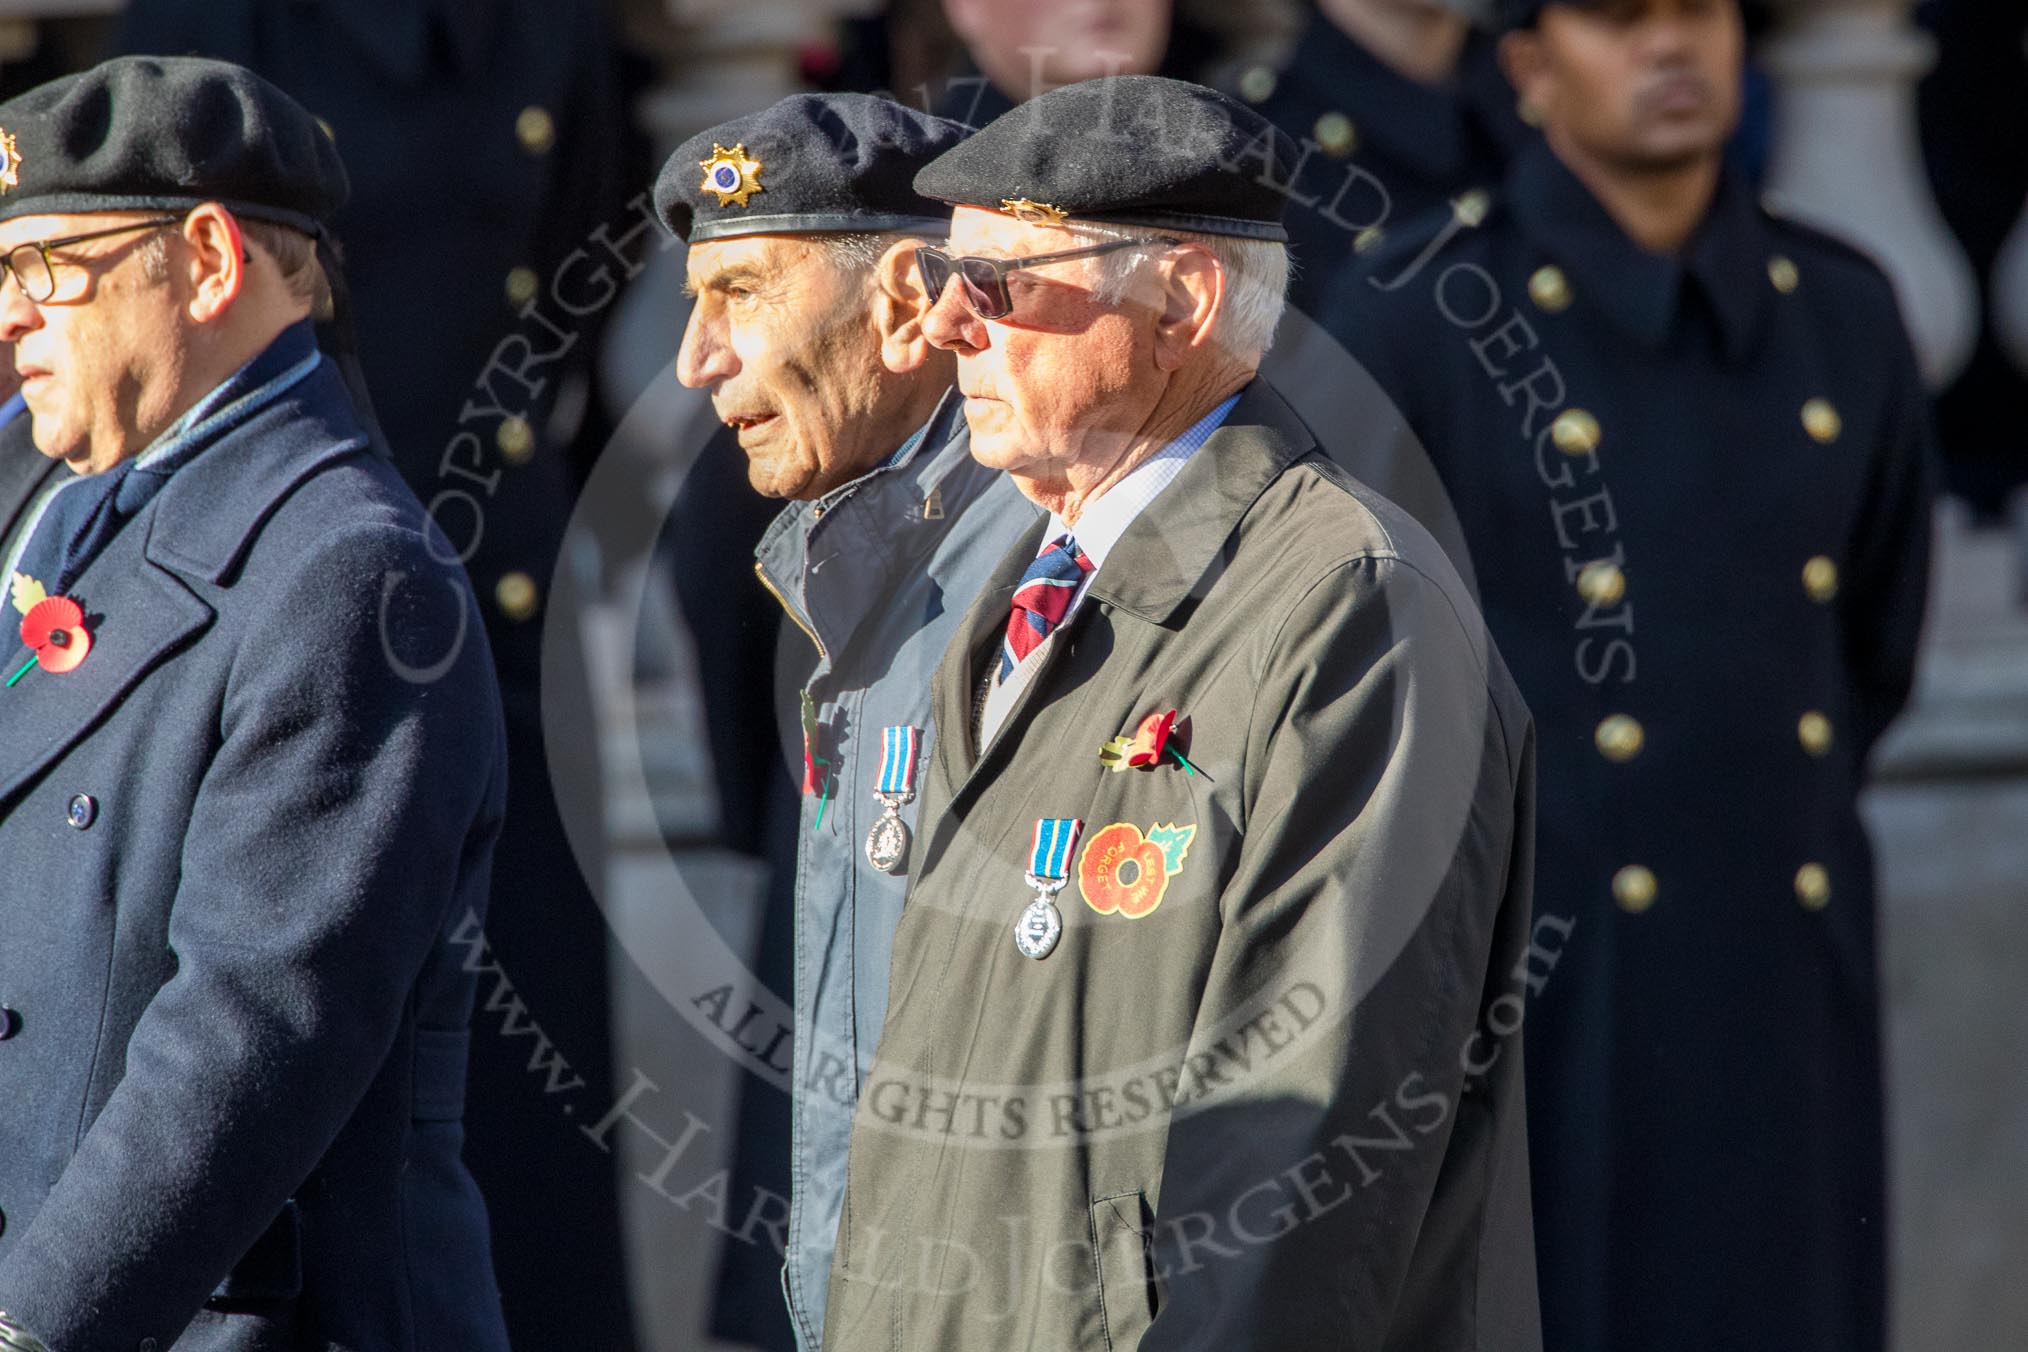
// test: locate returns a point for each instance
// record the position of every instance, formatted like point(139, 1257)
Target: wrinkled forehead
point(766, 257)
point(995, 234)
point(28, 229)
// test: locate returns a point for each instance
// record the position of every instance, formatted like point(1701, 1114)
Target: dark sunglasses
point(982, 282)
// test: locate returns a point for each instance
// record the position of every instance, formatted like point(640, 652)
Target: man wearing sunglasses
point(807, 328)
point(1200, 1031)
point(254, 768)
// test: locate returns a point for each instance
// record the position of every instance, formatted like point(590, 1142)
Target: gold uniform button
point(1575, 432)
point(1257, 85)
point(1471, 208)
point(1813, 730)
point(1782, 271)
point(1821, 421)
point(1336, 134)
point(522, 284)
point(516, 439)
point(535, 129)
point(1601, 583)
point(1634, 889)
point(329, 134)
point(515, 593)
point(1820, 579)
point(1550, 289)
point(1367, 239)
point(1813, 887)
point(1619, 737)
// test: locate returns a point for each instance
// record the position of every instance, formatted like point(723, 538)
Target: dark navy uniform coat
point(1695, 492)
point(236, 840)
point(482, 244)
point(1377, 148)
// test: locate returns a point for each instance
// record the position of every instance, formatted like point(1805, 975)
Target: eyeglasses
point(33, 269)
point(983, 281)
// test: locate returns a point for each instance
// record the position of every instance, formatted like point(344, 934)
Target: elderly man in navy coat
point(254, 764)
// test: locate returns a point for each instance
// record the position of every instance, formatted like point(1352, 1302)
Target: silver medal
point(1041, 924)
point(887, 842)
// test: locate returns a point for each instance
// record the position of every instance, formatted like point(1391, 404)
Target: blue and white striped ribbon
point(898, 751)
point(1055, 838)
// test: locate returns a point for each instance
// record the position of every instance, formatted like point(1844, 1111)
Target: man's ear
point(1193, 297)
point(217, 261)
point(900, 304)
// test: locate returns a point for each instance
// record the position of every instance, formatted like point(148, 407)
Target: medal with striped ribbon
point(887, 842)
point(1041, 924)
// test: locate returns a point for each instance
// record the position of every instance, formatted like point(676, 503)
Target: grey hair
point(857, 253)
point(1256, 279)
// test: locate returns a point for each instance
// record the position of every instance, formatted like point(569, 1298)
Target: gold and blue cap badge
point(10, 161)
point(730, 175)
point(809, 164)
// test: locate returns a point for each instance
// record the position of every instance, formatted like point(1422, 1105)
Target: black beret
point(1131, 150)
point(167, 133)
point(811, 164)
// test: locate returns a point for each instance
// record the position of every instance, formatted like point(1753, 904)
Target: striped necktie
point(1042, 600)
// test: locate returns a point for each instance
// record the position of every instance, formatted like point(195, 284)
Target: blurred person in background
point(488, 225)
point(1690, 452)
point(1397, 106)
point(807, 328)
point(972, 60)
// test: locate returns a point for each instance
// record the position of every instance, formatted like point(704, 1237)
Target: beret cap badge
point(1033, 213)
point(730, 175)
point(10, 162)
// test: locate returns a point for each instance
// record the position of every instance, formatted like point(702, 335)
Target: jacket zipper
point(761, 572)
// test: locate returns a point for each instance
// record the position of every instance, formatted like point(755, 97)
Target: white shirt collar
point(1106, 518)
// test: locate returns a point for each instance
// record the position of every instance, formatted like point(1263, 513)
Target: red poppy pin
point(1155, 738)
point(52, 626)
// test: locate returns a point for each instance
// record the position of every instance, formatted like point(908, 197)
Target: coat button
point(516, 596)
point(1782, 271)
point(1601, 583)
point(522, 284)
point(1820, 579)
point(1336, 134)
point(148, 1345)
point(10, 1022)
point(1813, 730)
point(1821, 421)
point(1619, 737)
point(1813, 887)
point(1367, 239)
point(535, 129)
point(1550, 289)
point(83, 811)
point(1471, 207)
point(1257, 85)
point(516, 439)
point(1634, 889)
point(1575, 432)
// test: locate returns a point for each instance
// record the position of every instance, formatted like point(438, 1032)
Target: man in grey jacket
point(803, 223)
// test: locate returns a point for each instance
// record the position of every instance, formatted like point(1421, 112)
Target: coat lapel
point(955, 687)
point(138, 614)
point(138, 601)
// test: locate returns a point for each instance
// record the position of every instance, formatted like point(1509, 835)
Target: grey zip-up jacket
point(877, 574)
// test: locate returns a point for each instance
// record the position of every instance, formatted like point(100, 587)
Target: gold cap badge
point(731, 175)
point(1033, 213)
point(10, 162)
